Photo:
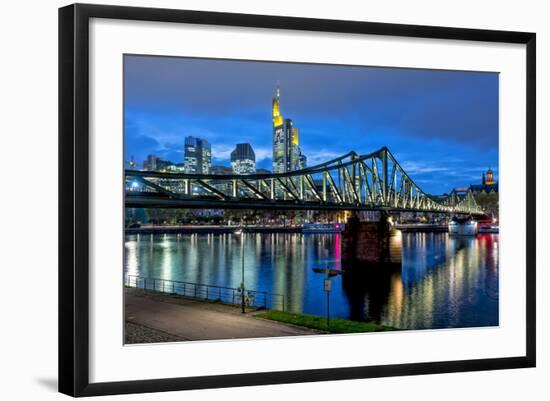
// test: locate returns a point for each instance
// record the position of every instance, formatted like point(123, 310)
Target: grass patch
point(320, 323)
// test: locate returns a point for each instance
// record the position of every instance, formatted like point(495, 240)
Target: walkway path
point(191, 319)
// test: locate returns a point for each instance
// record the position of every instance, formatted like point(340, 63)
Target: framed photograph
point(250, 199)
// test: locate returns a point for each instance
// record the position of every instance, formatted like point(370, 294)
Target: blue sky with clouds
point(442, 126)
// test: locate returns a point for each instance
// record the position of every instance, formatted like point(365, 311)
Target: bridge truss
point(374, 181)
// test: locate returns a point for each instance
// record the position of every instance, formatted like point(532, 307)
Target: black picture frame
point(74, 198)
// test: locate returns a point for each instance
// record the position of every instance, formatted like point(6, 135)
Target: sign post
point(328, 285)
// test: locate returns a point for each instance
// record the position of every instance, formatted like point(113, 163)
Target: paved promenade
point(188, 319)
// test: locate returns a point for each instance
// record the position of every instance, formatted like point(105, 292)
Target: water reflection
point(443, 281)
point(368, 290)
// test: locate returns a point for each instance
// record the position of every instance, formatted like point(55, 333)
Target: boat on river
point(322, 228)
point(487, 228)
point(463, 227)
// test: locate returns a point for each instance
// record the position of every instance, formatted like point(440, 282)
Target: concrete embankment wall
point(210, 230)
point(422, 228)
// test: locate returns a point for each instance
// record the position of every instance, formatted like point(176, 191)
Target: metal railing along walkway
point(258, 299)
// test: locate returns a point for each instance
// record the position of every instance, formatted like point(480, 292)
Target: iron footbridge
point(374, 181)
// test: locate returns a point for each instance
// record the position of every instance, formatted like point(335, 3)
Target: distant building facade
point(197, 156)
point(154, 163)
point(303, 160)
point(164, 165)
point(243, 159)
point(224, 186)
point(221, 170)
point(488, 178)
point(488, 183)
point(287, 155)
point(150, 164)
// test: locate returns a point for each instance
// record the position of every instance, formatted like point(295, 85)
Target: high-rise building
point(303, 161)
point(243, 159)
point(164, 165)
point(155, 163)
point(151, 163)
point(287, 155)
point(197, 156)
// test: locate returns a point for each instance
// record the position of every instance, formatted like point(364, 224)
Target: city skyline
point(413, 112)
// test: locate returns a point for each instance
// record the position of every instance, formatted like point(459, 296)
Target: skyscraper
point(303, 161)
point(151, 163)
point(287, 155)
point(243, 159)
point(197, 156)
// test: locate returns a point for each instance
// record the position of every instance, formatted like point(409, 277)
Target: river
point(443, 282)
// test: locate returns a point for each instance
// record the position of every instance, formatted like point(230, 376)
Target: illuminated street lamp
point(241, 233)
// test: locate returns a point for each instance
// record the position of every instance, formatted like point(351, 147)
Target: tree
point(167, 216)
point(488, 202)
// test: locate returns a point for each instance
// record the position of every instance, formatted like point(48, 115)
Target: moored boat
point(487, 225)
point(312, 228)
point(487, 228)
point(463, 227)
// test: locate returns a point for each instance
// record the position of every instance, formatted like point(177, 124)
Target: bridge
point(374, 181)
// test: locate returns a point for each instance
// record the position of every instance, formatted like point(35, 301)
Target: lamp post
point(242, 272)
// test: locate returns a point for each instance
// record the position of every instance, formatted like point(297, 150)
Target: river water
point(443, 281)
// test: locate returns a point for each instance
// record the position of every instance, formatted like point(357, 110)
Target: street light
point(241, 233)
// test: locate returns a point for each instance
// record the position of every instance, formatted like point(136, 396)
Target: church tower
point(489, 178)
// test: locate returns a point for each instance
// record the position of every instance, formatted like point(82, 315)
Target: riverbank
point(145, 230)
point(422, 228)
point(339, 326)
point(158, 317)
point(197, 229)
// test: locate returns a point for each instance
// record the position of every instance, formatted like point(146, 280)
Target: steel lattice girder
point(370, 182)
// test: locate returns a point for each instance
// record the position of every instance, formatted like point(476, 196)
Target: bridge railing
point(257, 299)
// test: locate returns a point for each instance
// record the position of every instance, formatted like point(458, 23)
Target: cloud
point(458, 106)
point(222, 151)
point(442, 126)
point(444, 175)
point(315, 157)
point(412, 167)
point(263, 153)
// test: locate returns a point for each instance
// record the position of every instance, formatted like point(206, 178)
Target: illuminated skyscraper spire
point(277, 118)
point(286, 143)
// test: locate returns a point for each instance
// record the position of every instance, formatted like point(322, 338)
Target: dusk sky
point(442, 126)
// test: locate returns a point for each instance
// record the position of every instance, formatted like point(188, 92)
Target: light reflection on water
point(443, 281)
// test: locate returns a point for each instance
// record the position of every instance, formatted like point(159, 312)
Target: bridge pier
point(371, 243)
